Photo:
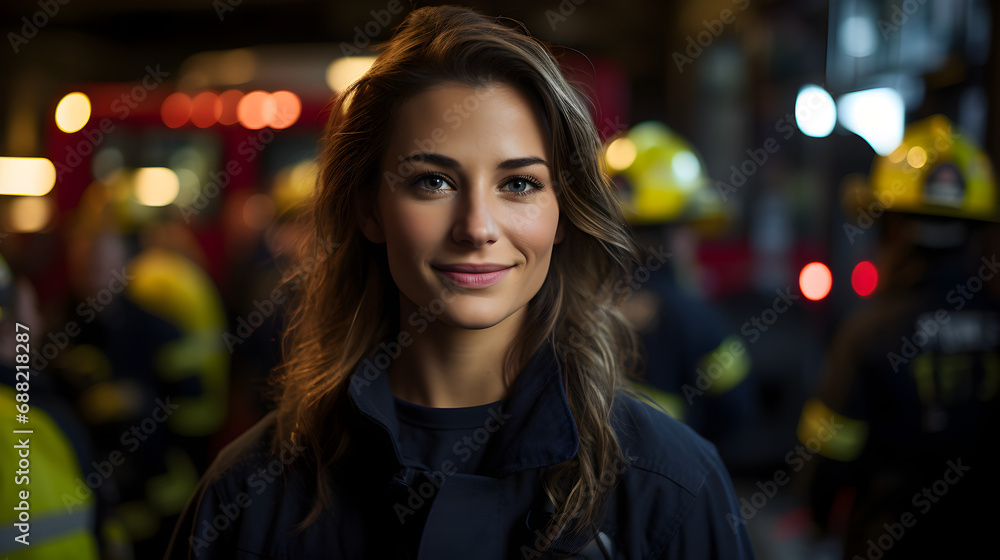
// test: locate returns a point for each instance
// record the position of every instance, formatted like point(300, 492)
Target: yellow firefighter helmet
point(937, 171)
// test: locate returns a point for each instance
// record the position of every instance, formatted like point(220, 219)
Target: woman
point(452, 377)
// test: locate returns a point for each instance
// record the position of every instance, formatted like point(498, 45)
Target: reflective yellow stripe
point(61, 514)
point(77, 545)
point(839, 437)
point(672, 404)
point(734, 365)
point(56, 532)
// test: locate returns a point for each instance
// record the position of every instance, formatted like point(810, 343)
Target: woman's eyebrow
point(445, 161)
point(516, 163)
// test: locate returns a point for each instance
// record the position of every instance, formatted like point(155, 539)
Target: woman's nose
point(476, 221)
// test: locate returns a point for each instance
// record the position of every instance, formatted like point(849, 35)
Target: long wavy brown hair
point(348, 303)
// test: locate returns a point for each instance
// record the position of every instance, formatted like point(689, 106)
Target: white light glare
point(877, 115)
point(685, 166)
point(815, 111)
point(857, 36)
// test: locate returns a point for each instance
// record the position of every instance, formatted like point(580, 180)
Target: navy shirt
point(446, 439)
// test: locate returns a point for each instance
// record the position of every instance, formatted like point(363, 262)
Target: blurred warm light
point(899, 154)
point(217, 68)
point(287, 109)
point(29, 214)
point(815, 111)
point(156, 186)
point(234, 67)
point(196, 78)
point(26, 176)
point(255, 110)
point(864, 278)
point(293, 185)
point(620, 153)
point(176, 110)
point(73, 112)
point(815, 281)
point(916, 157)
point(344, 71)
point(230, 99)
point(685, 167)
point(206, 108)
point(258, 211)
point(877, 115)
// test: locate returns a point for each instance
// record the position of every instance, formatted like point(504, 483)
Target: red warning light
point(287, 109)
point(230, 99)
point(256, 109)
point(176, 110)
point(206, 108)
point(815, 281)
point(864, 278)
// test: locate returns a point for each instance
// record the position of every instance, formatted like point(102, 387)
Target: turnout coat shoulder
point(674, 498)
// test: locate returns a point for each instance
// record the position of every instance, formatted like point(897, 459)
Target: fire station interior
point(816, 182)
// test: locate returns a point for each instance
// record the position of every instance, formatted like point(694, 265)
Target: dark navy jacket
point(675, 499)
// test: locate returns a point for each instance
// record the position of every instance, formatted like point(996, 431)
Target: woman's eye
point(433, 182)
point(520, 185)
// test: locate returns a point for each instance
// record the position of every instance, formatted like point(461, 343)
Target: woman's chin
point(473, 317)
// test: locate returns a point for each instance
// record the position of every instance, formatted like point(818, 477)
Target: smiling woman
point(452, 382)
point(475, 216)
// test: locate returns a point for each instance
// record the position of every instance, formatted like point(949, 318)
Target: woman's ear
point(370, 221)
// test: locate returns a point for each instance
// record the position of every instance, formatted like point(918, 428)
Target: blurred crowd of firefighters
point(150, 369)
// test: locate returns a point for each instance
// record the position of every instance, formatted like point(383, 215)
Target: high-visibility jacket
point(59, 522)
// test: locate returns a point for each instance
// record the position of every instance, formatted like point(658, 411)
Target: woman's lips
point(474, 279)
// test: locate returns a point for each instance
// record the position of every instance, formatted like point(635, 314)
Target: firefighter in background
point(906, 408)
point(151, 366)
point(271, 233)
point(695, 366)
point(58, 450)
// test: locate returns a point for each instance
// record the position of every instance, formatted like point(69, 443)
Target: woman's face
point(466, 181)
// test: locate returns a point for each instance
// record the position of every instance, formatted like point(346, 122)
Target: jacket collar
point(538, 429)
